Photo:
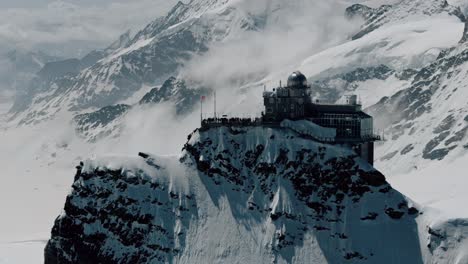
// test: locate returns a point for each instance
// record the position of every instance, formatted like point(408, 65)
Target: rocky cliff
point(240, 195)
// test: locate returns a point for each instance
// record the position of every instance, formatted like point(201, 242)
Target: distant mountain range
point(407, 62)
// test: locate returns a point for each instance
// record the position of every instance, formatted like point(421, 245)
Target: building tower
point(294, 102)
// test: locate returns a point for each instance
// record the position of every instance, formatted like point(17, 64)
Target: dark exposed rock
point(143, 155)
point(87, 124)
point(465, 33)
point(431, 145)
point(389, 155)
point(457, 137)
point(381, 72)
point(133, 225)
point(176, 91)
point(353, 255)
point(395, 214)
point(329, 91)
point(434, 233)
point(407, 149)
point(370, 216)
point(445, 125)
point(436, 238)
point(101, 117)
point(407, 74)
point(413, 211)
point(370, 15)
point(438, 154)
point(359, 10)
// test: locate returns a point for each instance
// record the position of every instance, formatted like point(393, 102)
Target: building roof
point(297, 79)
point(339, 109)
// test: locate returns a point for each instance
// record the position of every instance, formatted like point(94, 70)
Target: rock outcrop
point(250, 195)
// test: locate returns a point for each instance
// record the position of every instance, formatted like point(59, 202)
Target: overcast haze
point(39, 3)
point(71, 28)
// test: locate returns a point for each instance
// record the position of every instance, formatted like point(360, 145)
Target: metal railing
point(258, 121)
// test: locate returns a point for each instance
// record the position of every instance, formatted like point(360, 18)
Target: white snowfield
point(441, 184)
point(400, 45)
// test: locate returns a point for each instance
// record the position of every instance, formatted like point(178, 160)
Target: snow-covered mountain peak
point(154, 54)
point(121, 42)
point(400, 12)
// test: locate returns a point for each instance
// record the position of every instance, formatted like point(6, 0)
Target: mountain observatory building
point(343, 123)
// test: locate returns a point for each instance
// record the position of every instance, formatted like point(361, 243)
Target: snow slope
point(441, 185)
point(400, 46)
point(428, 120)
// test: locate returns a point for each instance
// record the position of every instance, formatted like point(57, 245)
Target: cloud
point(68, 28)
point(293, 31)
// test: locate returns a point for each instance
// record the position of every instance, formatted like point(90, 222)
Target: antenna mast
point(215, 104)
point(201, 109)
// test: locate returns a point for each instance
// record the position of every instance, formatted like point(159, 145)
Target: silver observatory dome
point(297, 79)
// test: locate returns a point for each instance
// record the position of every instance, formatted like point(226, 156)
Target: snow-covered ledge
point(310, 128)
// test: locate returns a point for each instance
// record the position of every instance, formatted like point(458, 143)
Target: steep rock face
point(100, 123)
point(175, 90)
point(250, 195)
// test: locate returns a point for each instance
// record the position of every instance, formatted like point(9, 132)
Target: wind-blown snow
point(135, 46)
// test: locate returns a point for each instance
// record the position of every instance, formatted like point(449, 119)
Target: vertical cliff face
point(250, 195)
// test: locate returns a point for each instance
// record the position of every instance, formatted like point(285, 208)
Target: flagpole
point(201, 110)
